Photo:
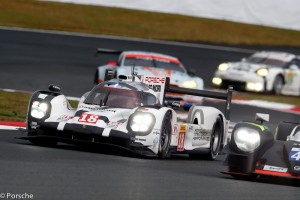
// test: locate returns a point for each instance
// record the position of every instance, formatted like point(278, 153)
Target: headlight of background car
point(39, 109)
point(189, 84)
point(246, 139)
point(141, 122)
point(263, 72)
point(223, 67)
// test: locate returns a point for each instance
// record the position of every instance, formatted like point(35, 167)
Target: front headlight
point(223, 67)
point(246, 139)
point(263, 72)
point(189, 84)
point(217, 81)
point(39, 109)
point(141, 122)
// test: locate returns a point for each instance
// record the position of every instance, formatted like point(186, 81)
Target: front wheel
point(215, 140)
point(277, 86)
point(165, 137)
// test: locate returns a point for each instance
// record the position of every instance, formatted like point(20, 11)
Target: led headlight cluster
point(39, 109)
point(141, 122)
point(223, 67)
point(246, 139)
point(263, 72)
point(189, 84)
point(217, 81)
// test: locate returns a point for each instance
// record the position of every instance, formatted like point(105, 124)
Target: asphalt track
point(31, 61)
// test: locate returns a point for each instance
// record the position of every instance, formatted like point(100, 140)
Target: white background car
point(264, 71)
point(151, 64)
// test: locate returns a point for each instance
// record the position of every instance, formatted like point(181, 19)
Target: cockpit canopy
point(119, 96)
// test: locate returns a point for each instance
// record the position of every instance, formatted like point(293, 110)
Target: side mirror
point(262, 117)
point(191, 72)
point(54, 88)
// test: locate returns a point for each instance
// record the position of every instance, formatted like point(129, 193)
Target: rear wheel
point(215, 140)
point(165, 137)
point(283, 130)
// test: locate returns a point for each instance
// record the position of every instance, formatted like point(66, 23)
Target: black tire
point(215, 140)
point(277, 85)
point(165, 137)
point(43, 142)
point(283, 130)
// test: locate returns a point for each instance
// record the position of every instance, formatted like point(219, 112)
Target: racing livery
point(151, 64)
point(264, 71)
point(253, 150)
point(127, 113)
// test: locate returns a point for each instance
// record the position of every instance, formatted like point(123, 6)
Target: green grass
point(150, 25)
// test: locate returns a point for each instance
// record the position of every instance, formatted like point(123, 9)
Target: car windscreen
point(267, 61)
point(156, 62)
point(119, 98)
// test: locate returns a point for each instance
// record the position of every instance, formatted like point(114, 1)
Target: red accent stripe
point(152, 57)
point(296, 109)
point(100, 80)
point(18, 124)
point(283, 174)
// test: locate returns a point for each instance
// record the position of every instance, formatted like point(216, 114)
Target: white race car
point(264, 71)
point(126, 112)
point(151, 64)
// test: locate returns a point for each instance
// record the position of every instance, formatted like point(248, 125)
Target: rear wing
point(160, 85)
point(205, 93)
point(107, 51)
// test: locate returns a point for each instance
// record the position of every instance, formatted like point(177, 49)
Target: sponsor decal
point(100, 109)
point(155, 80)
point(191, 128)
point(297, 168)
point(155, 142)
point(275, 169)
point(201, 134)
point(64, 117)
point(113, 125)
point(34, 125)
point(88, 118)
point(155, 88)
point(156, 131)
point(294, 154)
point(140, 139)
point(175, 129)
point(181, 137)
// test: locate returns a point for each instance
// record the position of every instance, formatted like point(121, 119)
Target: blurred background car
point(151, 64)
point(264, 72)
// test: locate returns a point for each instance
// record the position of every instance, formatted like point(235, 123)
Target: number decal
point(295, 154)
point(89, 118)
point(181, 137)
